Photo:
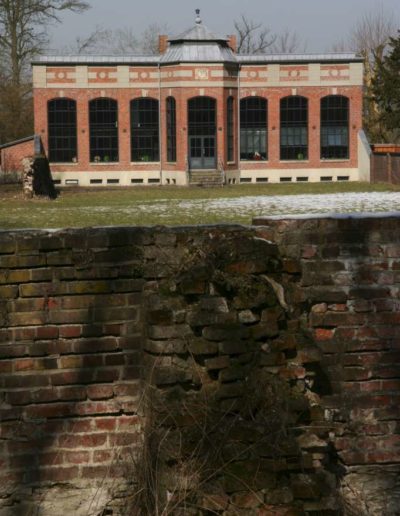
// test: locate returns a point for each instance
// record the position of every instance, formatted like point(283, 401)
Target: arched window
point(335, 127)
point(230, 154)
point(294, 128)
point(144, 130)
point(171, 129)
point(253, 128)
point(103, 124)
point(62, 130)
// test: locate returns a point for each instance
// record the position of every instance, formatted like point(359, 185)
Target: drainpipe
point(159, 121)
point(238, 124)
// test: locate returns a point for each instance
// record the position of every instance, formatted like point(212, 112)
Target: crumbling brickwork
point(343, 274)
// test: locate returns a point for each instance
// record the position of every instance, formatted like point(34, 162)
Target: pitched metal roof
point(97, 59)
point(296, 58)
point(198, 45)
point(17, 142)
point(198, 53)
point(198, 33)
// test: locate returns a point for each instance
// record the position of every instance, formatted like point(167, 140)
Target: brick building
point(200, 109)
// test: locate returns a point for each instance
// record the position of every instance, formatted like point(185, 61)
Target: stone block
point(199, 346)
point(166, 347)
point(248, 317)
point(235, 372)
point(177, 331)
point(235, 347)
point(226, 332)
point(214, 304)
point(201, 318)
point(216, 363)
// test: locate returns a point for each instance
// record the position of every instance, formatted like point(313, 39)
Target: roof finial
point(198, 19)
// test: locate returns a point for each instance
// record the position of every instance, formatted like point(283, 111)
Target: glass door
point(202, 131)
point(202, 152)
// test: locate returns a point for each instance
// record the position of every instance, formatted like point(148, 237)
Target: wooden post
point(389, 167)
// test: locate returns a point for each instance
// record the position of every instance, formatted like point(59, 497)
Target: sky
point(319, 23)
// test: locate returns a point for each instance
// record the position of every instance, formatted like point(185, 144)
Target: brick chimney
point(162, 43)
point(232, 44)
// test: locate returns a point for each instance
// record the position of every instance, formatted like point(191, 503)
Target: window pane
point(201, 116)
point(253, 128)
point(335, 127)
point(145, 130)
point(171, 129)
point(62, 130)
point(230, 129)
point(294, 128)
point(103, 122)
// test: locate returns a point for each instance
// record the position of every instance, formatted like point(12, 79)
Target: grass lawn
point(161, 205)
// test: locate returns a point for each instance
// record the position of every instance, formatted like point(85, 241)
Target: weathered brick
point(76, 457)
point(21, 261)
point(8, 291)
point(130, 389)
point(89, 287)
point(170, 346)
point(47, 332)
point(82, 441)
point(56, 474)
point(103, 456)
point(235, 347)
point(226, 332)
point(100, 392)
point(169, 332)
point(108, 424)
point(220, 362)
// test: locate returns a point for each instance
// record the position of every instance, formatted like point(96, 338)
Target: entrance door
point(202, 132)
point(202, 152)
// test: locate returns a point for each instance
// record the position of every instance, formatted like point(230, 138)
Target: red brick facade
point(312, 77)
point(12, 155)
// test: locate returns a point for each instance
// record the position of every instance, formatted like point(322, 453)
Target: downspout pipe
point(159, 124)
point(238, 124)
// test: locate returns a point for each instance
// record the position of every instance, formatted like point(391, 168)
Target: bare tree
point(287, 43)
point(123, 41)
point(22, 29)
point(149, 38)
point(252, 37)
point(22, 36)
point(370, 38)
point(96, 42)
point(126, 41)
point(341, 45)
point(16, 110)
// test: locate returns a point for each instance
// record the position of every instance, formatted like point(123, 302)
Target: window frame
point(293, 123)
point(103, 131)
point(145, 127)
point(62, 127)
point(335, 127)
point(208, 126)
point(171, 128)
point(230, 129)
point(254, 129)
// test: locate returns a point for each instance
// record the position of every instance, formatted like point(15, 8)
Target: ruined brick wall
point(343, 278)
point(246, 370)
point(70, 364)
